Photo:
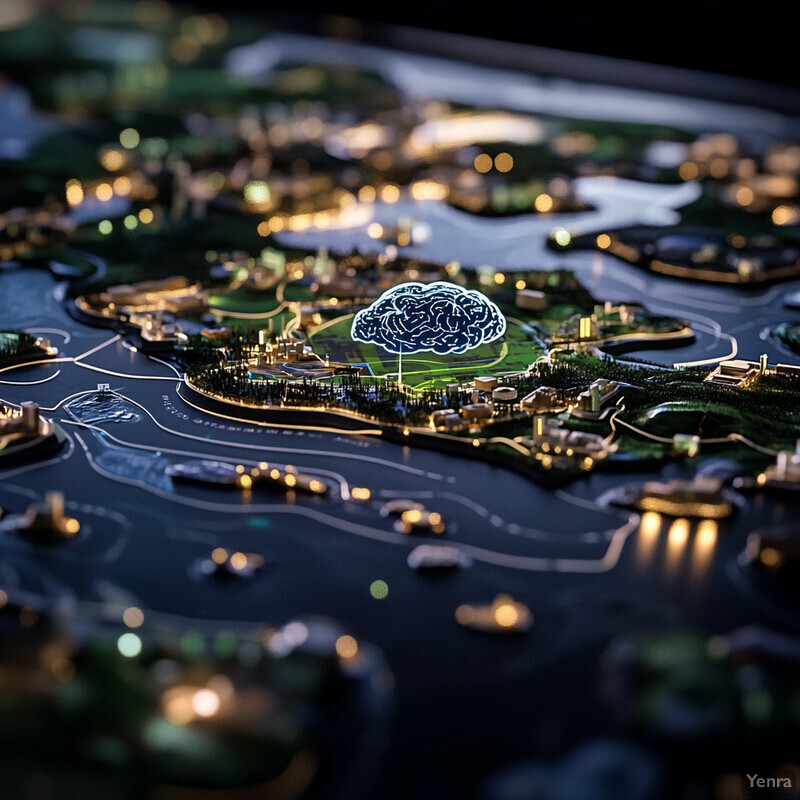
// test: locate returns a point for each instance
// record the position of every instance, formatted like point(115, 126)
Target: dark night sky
point(757, 41)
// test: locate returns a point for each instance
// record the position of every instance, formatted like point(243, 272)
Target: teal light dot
point(129, 645)
point(379, 589)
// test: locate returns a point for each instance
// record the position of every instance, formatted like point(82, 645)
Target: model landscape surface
point(366, 431)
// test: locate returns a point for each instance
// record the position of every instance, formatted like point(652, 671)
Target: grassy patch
point(511, 354)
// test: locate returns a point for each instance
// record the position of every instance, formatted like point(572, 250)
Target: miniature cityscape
point(325, 391)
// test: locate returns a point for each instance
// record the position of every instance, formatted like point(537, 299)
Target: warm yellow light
point(112, 160)
point(360, 493)
point(375, 230)
point(263, 228)
point(133, 617)
point(205, 703)
point(245, 481)
point(412, 516)
point(499, 277)
point(465, 614)
point(543, 203)
point(650, 524)
point(238, 561)
point(706, 536)
point(503, 162)
point(104, 192)
point(390, 193)
point(146, 216)
point(72, 526)
point(428, 190)
point(290, 480)
point(482, 162)
point(122, 185)
point(178, 706)
point(219, 555)
point(505, 615)
point(678, 533)
point(275, 224)
point(688, 170)
point(74, 192)
point(366, 194)
point(603, 241)
point(744, 196)
point(346, 647)
point(770, 557)
point(783, 215)
point(520, 284)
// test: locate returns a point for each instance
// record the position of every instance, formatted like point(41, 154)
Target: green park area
point(509, 355)
point(18, 346)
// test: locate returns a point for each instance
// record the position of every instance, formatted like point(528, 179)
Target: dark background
point(758, 41)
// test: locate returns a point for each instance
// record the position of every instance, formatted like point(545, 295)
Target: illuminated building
point(548, 436)
point(734, 374)
point(439, 417)
point(503, 615)
point(486, 383)
point(504, 394)
point(702, 497)
point(476, 411)
point(739, 374)
point(542, 399)
point(686, 443)
point(531, 300)
point(785, 472)
point(26, 423)
point(587, 328)
point(774, 548)
point(155, 336)
point(46, 522)
point(592, 400)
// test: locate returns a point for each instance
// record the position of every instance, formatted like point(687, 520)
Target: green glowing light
point(562, 237)
point(379, 589)
point(192, 645)
point(131, 221)
point(256, 192)
point(129, 138)
point(226, 644)
point(129, 645)
point(105, 227)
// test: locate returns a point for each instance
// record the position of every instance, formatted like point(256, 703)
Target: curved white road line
point(38, 465)
point(58, 331)
point(340, 479)
point(32, 383)
point(525, 563)
point(265, 448)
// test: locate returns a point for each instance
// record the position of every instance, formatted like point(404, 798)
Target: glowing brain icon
point(435, 317)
